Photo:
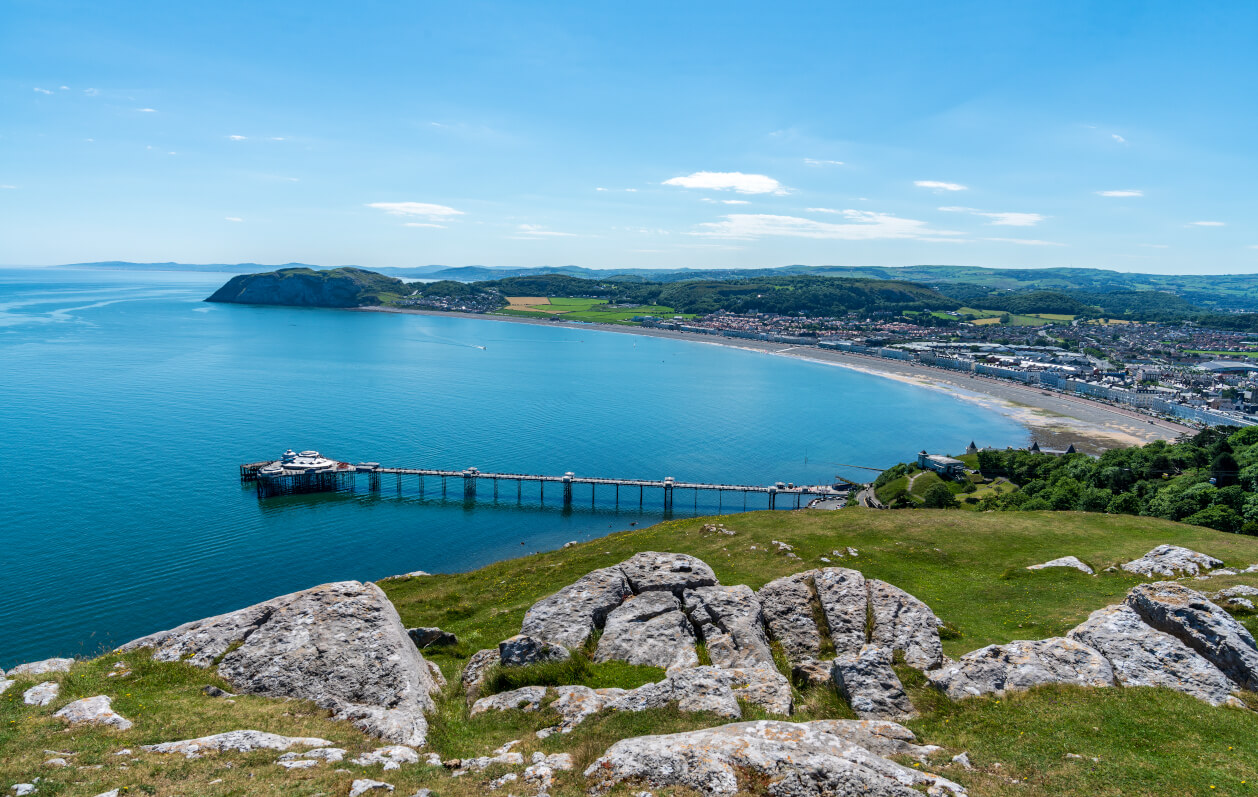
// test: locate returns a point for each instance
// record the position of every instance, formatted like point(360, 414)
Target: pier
point(309, 472)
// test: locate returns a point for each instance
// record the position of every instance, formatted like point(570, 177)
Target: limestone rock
point(23, 789)
point(1021, 665)
point(787, 606)
point(797, 760)
point(42, 667)
point(1143, 656)
point(871, 686)
point(713, 689)
point(1171, 560)
point(425, 636)
point(568, 617)
point(236, 741)
point(1065, 561)
point(391, 757)
point(650, 571)
point(731, 623)
point(303, 763)
point(523, 649)
point(1203, 626)
point(475, 671)
point(844, 602)
point(438, 678)
point(363, 785)
point(649, 629)
point(41, 694)
point(329, 754)
point(341, 645)
point(882, 737)
point(1238, 591)
point(812, 671)
point(575, 703)
point(904, 623)
point(5, 683)
point(526, 698)
point(95, 711)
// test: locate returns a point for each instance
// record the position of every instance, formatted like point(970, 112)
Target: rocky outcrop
point(391, 757)
point(844, 601)
point(787, 607)
point(41, 694)
point(93, 711)
point(341, 645)
point(903, 623)
point(650, 571)
point(871, 687)
point(649, 629)
point(1065, 561)
point(1144, 656)
point(793, 759)
point(1203, 626)
point(882, 737)
point(1170, 561)
point(730, 622)
point(236, 741)
point(523, 649)
point(568, 617)
point(431, 635)
point(476, 670)
point(1019, 665)
point(526, 698)
point(42, 667)
point(304, 287)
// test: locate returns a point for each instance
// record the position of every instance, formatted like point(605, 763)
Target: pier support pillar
point(773, 498)
point(469, 484)
point(567, 488)
point(373, 481)
point(668, 494)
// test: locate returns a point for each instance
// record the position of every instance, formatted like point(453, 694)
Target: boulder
point(575, 703)
point(1171, 560)
point(425, 636)
point(1018, 665)
point(1144, 656)
point(42, 667)
point(5, 683)
point(391, 757)
point(236, 741)
point(844, 602)
point(475, 670)
point(41, 694)
point(650, 571)
point(649, 629)
point(730, 622)
point(363, 785)
point(812, 671)
point(568, 617)
point(903, 623)
point(93, 711)
point(1203, 626)
point(787, 607)
point(871, 687)
point(341, 645)
point(1238, 591)
point(784, 758)
point(1065, 561)
point(526, 698)
point(523, 649)
point(713, 689)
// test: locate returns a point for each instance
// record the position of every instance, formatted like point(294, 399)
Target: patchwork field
point(594, 311)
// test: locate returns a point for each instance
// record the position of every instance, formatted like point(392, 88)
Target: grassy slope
point(967, 566)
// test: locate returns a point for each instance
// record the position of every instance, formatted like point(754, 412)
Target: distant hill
point(305, 287)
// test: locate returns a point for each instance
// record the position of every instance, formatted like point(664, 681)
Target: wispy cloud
point(729, 181)
point(8, 187)
point(821, 210)
point(860, 225)
point(425, 224)
point(42, 91)
point(1155, 246)
point(815, 162)
point(1207, 224)
point(65, 88)
point(1001, 219)
point(91, 92)
point(232, 218)
point(422, 209)
point(1121, 192)
point(536, 230)
point(1119, 139)
point(238, 138)
point(936, 185)
point(1025, 241)
point(734, 202)
point(147, 110)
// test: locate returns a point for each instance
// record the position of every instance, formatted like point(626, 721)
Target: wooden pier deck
point(794, 494)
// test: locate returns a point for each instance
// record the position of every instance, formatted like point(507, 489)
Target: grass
point(969, 567)
point(1224, 353)
point(594, 311)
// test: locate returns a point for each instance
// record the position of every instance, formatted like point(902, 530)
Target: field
point(969, 567)
point(988, 317)
point(1226, 353)
point(594, 311)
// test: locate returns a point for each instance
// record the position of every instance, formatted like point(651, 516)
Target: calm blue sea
point(126, 405)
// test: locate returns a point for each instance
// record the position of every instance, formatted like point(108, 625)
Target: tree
point(1224, 470)
point(1124, 504)
point(938, 496)
point(1222, 518)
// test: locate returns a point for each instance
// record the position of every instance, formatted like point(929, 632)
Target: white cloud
point(65, 88)
point(861, 225)
point(538, 230)
point(1122, 192)
point(91, 92)
point(1207, 224)
point(425, 224)
point(424, 209)
point(822, 210)
point(1155, 246)
point(729, 181)
point(734, 202)
point(632, 190)
point(600, 188)
point(42, 91)
point(814, 162)
point(1024, 241)
point(1118, 138)
point(8, 187)
point(238, 138)
point(232, 218)
point(938, 186)
point(278, 138)
point(1001, 219)
point(147, 110)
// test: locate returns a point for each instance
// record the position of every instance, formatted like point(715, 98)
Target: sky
point(659, 135)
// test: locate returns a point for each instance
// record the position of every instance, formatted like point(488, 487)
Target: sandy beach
point(1054, 419)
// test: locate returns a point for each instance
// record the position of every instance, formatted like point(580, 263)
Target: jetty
point(310, 472)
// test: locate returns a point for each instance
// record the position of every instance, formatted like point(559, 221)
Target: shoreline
point(1053, 419)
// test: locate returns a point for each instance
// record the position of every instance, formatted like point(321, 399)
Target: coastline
point(1053, 419)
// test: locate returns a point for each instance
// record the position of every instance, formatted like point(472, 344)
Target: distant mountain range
point(1233, 292)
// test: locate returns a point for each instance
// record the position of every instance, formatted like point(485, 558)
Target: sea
point(127, 404)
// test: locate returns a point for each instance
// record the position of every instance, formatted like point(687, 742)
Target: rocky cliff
point(304, 287)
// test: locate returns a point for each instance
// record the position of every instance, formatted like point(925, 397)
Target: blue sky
point(1111, 134)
